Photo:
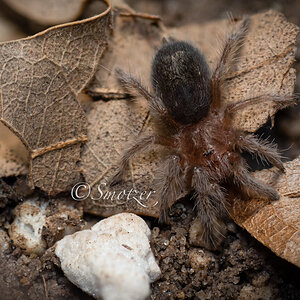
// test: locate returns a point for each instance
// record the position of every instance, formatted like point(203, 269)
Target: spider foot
point(207, 235)
point(273, 195)
point(116, 179)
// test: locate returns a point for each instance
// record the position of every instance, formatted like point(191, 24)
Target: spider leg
point(156, 106)
point(189, 173)
point(134, 85)
point(282, 100)
point(211, 207)
point(170, 184)
point(263, 149)
point(243, 178)
point(141, 144)
point(227, 60)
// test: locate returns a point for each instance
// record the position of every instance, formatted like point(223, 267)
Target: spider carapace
point(194, 125)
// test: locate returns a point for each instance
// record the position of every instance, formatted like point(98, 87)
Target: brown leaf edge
point(275, 224)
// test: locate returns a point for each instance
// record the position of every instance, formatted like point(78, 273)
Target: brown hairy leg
point(227, 61)
point(131, 83)
point(156, 106)
point(264, 150)
point(211, 207)
point(142, 143)
point(251, 185)
point(282, 100)
point(169, 185)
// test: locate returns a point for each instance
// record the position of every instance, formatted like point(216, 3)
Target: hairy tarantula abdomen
point(180, 77)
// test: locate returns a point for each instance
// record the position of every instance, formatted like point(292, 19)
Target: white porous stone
point(34, 217)
point(112, 260)
point(26, 229)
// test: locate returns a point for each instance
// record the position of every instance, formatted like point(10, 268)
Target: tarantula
point(195, 126)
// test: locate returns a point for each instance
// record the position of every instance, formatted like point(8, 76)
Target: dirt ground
point(241, 269)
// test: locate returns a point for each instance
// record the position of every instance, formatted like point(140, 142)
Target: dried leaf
point(146, 37)
point(107, 139)
point(48, 12)
point(40, 79)
point(11, 167)
point(275, 224)
point(115, 124)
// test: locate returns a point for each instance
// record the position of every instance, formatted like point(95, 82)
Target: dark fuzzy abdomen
point(181, 78)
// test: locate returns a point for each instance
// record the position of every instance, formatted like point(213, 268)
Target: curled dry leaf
point(275, 224)
point(48, 12)
point(265, 64)
point(40, 79)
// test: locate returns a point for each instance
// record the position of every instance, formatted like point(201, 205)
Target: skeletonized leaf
point(275, 224)
point(48, 12)
point(40, 79)
point(13, 162)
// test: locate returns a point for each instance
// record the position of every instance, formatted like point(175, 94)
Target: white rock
point(26, 229)
point(112, 260)
point(32, 215)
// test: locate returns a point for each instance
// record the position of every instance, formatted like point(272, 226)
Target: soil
point(241, 269)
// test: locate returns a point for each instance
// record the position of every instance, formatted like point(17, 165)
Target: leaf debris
point(40, 79)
